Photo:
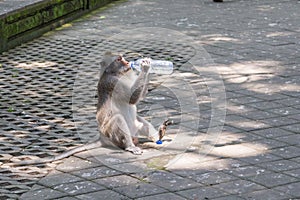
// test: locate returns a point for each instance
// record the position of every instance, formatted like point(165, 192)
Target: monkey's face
point(118, 66)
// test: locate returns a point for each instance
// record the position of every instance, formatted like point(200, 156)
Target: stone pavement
point(234, 97)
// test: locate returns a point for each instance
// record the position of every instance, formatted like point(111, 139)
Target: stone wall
point(33, 20)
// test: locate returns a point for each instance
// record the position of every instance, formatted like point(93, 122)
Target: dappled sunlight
point(237, 108)
point(229, 138)
point(216, 153)
point(265, 8)
point(216, 38)
point(248, 124)
point(288, 87)
point(188, 161)
point(239, 150)
point(254, 67)
point(35, 65)
point(245, 78)
point(262, 88)
point(271, 88)
point(258, 76)
point(279, 34)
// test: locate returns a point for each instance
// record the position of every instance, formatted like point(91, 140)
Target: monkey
point(119, 90)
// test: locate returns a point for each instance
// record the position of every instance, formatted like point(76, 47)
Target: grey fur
point(119, 90)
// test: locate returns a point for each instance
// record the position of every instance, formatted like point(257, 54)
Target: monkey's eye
point(119, 59)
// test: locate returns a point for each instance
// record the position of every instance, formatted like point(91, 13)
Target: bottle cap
point(159, 142)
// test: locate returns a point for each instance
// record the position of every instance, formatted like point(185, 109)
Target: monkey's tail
point(88, 146)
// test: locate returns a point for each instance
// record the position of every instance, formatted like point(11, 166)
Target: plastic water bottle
point(156, 66)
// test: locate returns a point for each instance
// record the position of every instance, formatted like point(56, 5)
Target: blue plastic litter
point(159, 142)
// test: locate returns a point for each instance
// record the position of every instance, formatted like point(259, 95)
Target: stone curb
point(24, 22)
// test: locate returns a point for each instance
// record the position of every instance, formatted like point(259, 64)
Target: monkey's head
point(114, 64)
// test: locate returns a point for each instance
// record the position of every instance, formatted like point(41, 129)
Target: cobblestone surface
point(48, 104)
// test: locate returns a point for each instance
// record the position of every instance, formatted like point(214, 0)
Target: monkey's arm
point(145, 88)
point(130, 89)
point(124, 91)
point(140, 87)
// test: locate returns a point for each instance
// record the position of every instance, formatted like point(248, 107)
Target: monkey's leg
point(148, 129)
point(119, 133)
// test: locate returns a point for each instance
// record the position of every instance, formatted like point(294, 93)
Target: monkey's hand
point(146, 64)
point(135, 150)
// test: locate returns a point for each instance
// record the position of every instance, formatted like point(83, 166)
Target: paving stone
point(267, 105)
point(245, 100)
point(229, 197)
point(259, 115)
point(46, 193)
point(212, 178)
point(170, 181)
point(235, 109)
point(139, 190)
point(77, 188)
point(261, 158)
point(272, 132)
point(287, 152)
point(202, 193)
point(296, 116)
point(73, 164)
point(268, 144)
point(246, 124)
point(280, 165)
point(290, 139)
point(132, 167)
point(294, 173)
point(162, 196)
point(270, 194)
point(271, 97)
point(280, 121)
point(285, 111)
point(94, 173)
point(239, 187)
point(117, 181)
point(271, 180)
point(291, 189)
point(297, 160)
point(231, 138)
point(56, 178)
point(294, 128)
point(246, 171)
point(104, 194)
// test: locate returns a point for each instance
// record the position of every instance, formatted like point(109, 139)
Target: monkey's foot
point(168, 122)
point(162, 129)
point(135, 140)
point(135, 150)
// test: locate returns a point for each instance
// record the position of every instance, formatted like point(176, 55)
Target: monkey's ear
point(103, 64)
